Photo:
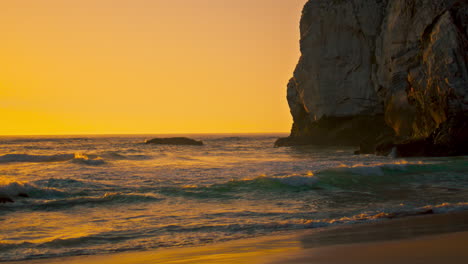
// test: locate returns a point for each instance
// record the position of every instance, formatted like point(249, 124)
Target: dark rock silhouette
point(382, 75)
point(6, 199)
point(24, 195)
point(174, 141)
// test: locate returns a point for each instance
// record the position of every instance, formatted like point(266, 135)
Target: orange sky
point(146, 66)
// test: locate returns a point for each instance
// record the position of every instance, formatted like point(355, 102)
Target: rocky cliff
point(382, 74)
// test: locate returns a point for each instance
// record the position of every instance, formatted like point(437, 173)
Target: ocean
point(86, 195)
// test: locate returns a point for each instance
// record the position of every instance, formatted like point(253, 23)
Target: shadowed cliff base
point(402, 64)
point(450, 139)
point(339, 131)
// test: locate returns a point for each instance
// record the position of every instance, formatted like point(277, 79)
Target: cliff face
point(382, 73)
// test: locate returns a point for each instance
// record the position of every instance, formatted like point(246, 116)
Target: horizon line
point(142, 134)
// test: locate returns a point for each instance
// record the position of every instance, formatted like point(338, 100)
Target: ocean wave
point(113, 155)
point(29, 195)
point(347, 178)
point(6, 246)
point(76, 157)
point(120, 238)
point(20, 189)
point(83, 158)
point(75, 187)
point(37, 140)
point(229, 139)
point(68, 242)
point(267, 183)
point(86, 159)
point(231, 188)
point(302, 223)
point(398, 172)
point(108, 198)
point(35, 158)
point(65, 183)
point(447, 207)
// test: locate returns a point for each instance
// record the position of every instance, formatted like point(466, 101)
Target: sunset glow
point(140, 66)
point(233, 131)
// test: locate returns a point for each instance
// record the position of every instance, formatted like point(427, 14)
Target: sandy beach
point(418, 239)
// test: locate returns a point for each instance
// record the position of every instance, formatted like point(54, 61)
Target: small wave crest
point(113, 155)
point(269, 183)
point(230, 188)
point(20, 189)
point(108, 198)
point(301, 223)
point(398, 172)
point(87, 159)
point(447, 207)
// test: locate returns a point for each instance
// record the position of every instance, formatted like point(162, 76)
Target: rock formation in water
point(382, 74)
point(5, 199)
point(174, 141)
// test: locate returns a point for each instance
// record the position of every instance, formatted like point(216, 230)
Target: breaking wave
point(87, 159)
point(236, 230)
point(342, 178)
point(77, 157)
point(12, 188)
point(54, 197)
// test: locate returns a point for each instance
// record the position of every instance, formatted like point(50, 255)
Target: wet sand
point(446, 248)
point(417, 239)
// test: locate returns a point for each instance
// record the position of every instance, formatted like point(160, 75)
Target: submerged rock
point(6, 199)
point(174, 141)
point(382, 74)
point(24, 195)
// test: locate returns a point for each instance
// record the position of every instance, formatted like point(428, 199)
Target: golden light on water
point(71, 67)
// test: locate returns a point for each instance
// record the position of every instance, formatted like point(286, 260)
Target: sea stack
point(382, 75)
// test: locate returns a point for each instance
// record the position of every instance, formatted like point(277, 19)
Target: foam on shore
point(427, 239)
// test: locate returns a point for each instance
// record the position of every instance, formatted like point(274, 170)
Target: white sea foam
point(87, 159)
point(448, 207)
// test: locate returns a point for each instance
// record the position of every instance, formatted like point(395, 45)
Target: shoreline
point(406, 240)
